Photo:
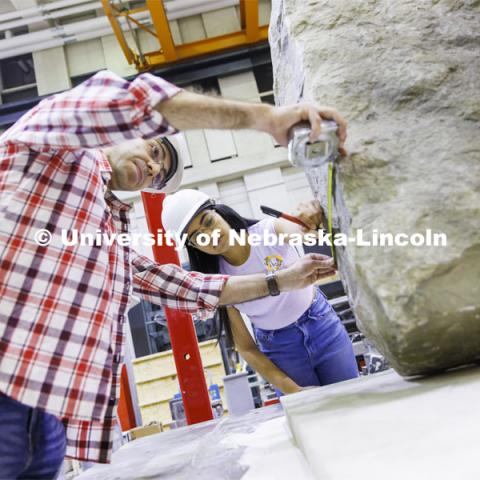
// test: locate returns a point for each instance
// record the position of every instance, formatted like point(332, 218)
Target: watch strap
point(272, 284)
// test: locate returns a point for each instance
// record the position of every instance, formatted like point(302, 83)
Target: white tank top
point(270, 313)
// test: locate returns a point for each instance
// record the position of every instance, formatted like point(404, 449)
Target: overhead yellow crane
point(251, 33)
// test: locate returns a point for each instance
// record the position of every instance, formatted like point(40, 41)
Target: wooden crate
point(156, 380)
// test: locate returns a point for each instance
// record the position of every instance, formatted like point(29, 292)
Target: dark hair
point(206, 263)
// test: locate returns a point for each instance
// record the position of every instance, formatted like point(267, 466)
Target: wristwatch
point(272, 284)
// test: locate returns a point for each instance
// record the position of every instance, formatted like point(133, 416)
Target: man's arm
point(107, 109)
point(201, 294)
point(173, 287)
point(102, 111)
point(304, 272)
point(189, 110)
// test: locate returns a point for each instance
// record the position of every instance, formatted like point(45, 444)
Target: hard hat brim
point(193, 213)
point(174, 177)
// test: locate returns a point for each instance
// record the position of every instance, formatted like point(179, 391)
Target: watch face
point(272, 284)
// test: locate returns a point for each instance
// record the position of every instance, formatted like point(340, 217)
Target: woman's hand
point(289, 386)
point(294, 388)
point(311, 214)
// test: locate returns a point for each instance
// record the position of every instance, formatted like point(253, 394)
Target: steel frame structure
point(251, 32)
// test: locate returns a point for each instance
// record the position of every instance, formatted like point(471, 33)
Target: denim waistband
point(309, 313)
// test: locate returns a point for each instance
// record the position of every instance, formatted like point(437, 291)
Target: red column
point(181, 328)
point(125, 411)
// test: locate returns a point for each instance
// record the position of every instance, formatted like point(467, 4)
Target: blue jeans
point(32, 442)
point(315, 350)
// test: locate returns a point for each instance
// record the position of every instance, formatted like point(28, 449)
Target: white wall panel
point(211, 189)
point(221, 22)
point(244, 87)
point(51, 70)
point(267, 188)
point(191, 28)
point(176, 35)
point(85, 57)
point(148, 43)
point(296, 184)
point(234, 194)
point(263, 178)
point(220, 144)
point(241, 86)
point(235, 167)
point(7, 7)
point(249, 142)
point(274, 196)
point(197, 146)
point(264, 9)
point(114, 58)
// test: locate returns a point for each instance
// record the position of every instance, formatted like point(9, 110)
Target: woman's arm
point(304, 272)
point(255, 358)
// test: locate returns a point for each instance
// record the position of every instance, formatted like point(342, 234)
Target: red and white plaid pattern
point(63, 308)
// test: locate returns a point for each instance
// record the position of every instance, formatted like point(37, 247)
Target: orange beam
point(133, 11)
point(136, 22)
point(251, 33)
point(251, 20)
point(243, 16)
point(160, 21)
point(209, 45)
point(117, 30)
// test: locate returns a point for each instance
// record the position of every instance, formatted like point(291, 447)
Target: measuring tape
point(330, 207)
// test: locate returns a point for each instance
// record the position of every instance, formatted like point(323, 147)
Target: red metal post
point(126, 413)
point(183, 337)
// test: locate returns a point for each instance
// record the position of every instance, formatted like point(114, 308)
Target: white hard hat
point(179, 209)
point(172, 181)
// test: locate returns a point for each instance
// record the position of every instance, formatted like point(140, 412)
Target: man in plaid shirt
point(63, 308)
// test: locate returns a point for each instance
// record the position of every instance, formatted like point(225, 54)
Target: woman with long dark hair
point(300, 341)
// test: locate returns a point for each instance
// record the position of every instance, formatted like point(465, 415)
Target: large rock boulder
point(406, 75)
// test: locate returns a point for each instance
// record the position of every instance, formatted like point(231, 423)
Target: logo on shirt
point(273, 262)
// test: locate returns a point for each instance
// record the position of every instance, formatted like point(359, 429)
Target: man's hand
point(280, 120)
point(311, 214)
point(305, 271)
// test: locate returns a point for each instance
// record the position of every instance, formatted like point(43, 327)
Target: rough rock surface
point(406, 75)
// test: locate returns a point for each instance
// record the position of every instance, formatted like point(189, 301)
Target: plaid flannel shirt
point(63, 308)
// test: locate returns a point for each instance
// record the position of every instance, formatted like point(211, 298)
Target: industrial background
point(219, 47)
